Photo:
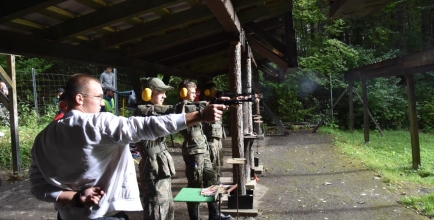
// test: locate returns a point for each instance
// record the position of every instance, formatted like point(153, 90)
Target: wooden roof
point(186, 38)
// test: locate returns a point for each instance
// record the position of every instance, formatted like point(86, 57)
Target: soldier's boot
point(214, 213)
point(193, 210)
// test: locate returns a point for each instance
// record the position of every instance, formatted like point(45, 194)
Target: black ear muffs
point(183, 92)
point(147, 91)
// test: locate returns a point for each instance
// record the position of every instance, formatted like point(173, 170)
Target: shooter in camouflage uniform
point(213, 131)
point(156, 166)
point(199, 170)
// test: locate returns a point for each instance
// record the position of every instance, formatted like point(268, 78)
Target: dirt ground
point(305, 178)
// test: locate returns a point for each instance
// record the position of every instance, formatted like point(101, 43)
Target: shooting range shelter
point(194, 39)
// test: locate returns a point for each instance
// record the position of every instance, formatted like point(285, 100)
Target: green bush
point(426, 112)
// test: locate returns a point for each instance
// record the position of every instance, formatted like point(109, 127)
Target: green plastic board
point(192, 195)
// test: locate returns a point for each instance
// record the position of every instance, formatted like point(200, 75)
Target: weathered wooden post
point(239, 174)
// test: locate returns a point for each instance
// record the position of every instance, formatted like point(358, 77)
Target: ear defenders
point(183, 91)
point(208, 87)
point(207, 92)
point(147, 91)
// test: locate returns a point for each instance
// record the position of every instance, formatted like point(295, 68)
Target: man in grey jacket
point(107, 78)
point(82, 162)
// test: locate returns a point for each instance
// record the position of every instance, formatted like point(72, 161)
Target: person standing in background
point(109, 101)
point(107, 78)
point(56, 98)
point(4, 88)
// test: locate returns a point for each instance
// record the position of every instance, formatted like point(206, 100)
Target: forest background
point(326, 50)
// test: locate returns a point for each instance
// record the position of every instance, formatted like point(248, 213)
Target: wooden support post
point(414, 130)
point(236, 115)
point(365, 109)
point(13, 117)
point(291, 42)
point(329, 111)
point(369, 113)
point(351, 104)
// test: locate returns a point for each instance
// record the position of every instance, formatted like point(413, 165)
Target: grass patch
point(391, 156)
point(26, 136)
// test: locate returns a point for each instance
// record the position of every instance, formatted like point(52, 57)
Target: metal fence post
point(115, 72)
point(34, 91)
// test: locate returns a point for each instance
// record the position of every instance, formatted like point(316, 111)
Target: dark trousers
point(119, 216)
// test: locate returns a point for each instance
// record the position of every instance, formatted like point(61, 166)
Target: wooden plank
point(236, 161)
point(196, 14)
point(195, 57)
point(103, 17)
point(11, 10)
point(57, 13)
point(94, 4)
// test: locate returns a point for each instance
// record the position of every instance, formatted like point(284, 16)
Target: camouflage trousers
point(216, 153)
point(199, 170)
point(157, 197)
point(200, 173)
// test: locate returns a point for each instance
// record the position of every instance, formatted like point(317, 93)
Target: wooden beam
point(94, 4)
point(267, 52)
point(225, 13)
point(414, 128)
point(103, 17)
point(355, 8)
point(11, 10)
point(158, 26)
point(214, 66)
point(175, 38)
point(237, 136)
point(422, 61)
point(198, 55)
point(13, 116)
point(182, 36)
point(57, 13)
point(26, 45)
point(266, 36)
point(187, 48)
point(290, 40)
point(365, 110)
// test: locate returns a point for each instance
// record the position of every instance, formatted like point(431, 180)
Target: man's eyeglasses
point(100, 97)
